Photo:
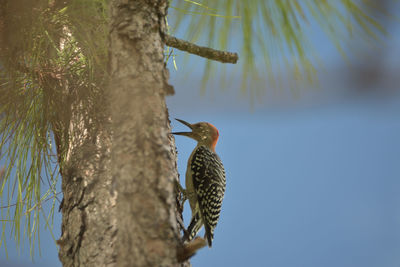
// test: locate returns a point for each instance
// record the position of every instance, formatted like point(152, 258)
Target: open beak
point(188, 134)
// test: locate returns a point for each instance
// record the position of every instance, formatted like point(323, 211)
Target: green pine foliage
point(43, 63)
point(274, 32)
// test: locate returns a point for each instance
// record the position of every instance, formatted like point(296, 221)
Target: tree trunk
point(143, 159)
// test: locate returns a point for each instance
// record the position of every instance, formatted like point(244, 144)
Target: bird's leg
point(184, 197)
point(182, 190)
point(185, 233)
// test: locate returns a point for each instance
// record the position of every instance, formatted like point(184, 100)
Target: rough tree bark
point(119, 200)
point(143, 160)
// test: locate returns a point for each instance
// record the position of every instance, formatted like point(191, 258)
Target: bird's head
point(203, 132)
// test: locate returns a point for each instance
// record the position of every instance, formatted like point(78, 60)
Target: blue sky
point(312, 180)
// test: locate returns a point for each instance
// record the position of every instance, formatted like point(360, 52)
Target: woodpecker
point(205, 180)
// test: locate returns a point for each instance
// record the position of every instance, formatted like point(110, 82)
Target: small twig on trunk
point(189, 249)
point(206, 52)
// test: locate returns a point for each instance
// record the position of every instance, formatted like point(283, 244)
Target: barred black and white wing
point(209, 184)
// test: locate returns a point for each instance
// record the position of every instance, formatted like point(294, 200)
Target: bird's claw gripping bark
point(182, 190)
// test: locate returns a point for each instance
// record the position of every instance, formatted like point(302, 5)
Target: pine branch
point(206, 52)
